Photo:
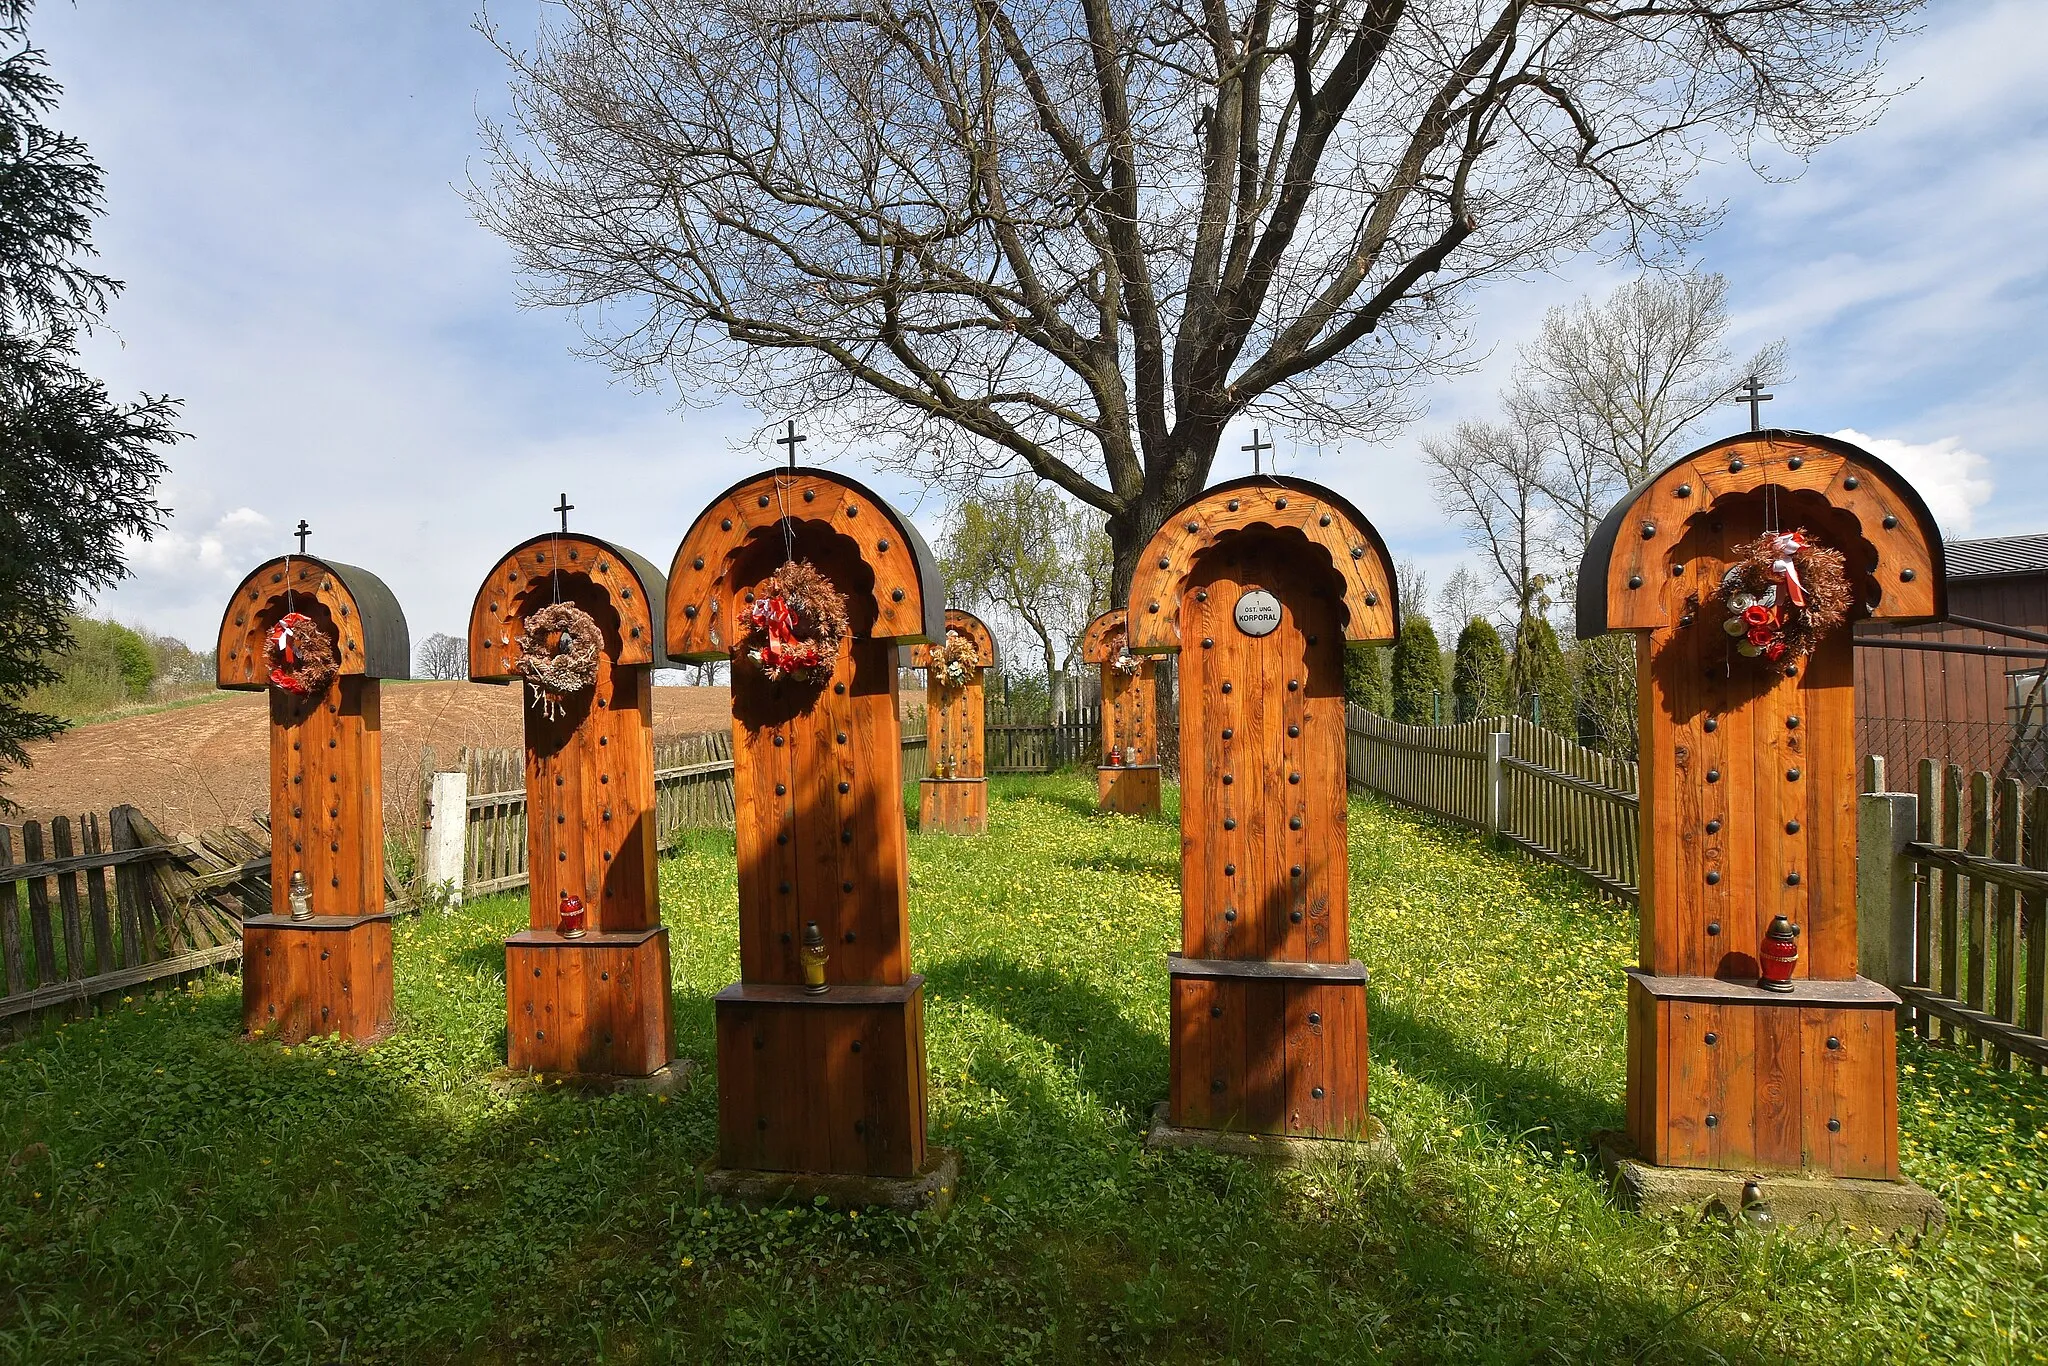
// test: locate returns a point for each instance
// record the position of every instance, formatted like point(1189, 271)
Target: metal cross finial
point(1256, 447)
point(1752, 391)
point(792, 441)
point(303, 532)
point(565, 507)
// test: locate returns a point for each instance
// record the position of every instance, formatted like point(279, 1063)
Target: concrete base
point(1798, 1202)
point(1374, 1148)
point(666, 1080)
point(931, 1188)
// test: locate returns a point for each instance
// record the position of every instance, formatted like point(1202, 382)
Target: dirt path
point(206, 765)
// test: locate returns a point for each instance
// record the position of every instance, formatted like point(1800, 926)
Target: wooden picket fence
point(693, 790)
point(1979, 897)
point(1541, 792)
point(91, 908)
point(1073, 738)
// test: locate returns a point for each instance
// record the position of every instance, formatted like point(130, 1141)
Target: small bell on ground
point(1756, 1210)
point(571, 918)
point(814, 959)
point(1780, 955)
point(300, 896)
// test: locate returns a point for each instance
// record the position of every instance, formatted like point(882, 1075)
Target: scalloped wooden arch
point(1099, 641)
point(1631, 555)
point(1324, 517)
point(631, 585)
point(909, 594)
point(967, 624)
point(370, 633)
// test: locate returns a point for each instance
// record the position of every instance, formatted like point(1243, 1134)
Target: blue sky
point(283, 193)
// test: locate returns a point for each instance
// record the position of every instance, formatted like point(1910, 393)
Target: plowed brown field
point(206, 765)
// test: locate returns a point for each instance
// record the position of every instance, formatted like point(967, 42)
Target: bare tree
point(1038, 560)
point(1613, 390)
point(1464, 598)
point(1082, 236)
point(443, 656)
point(1493, 477)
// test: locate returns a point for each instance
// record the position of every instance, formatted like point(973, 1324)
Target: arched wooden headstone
point(1127, 772)
point(819, 1092)
point(1261, 585)
point(593, 1001)
point(953, 796)
point(1748, 791)
point(329, 972)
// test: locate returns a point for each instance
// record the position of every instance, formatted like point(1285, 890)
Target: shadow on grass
point(1142, 1241)
point(1127, 865)
point(1514, 1098)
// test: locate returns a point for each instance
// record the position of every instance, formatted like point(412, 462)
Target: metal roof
point(1998, 555)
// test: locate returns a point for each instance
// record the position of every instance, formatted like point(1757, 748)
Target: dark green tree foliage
point(1365, 680)
point(1418, 672)
point(78, 471)
point(1479, 675)
point(1538, 678)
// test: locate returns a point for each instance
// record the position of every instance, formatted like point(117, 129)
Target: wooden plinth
point(1269, 1048)
point(1729, 1077)
point(953, 806)
point(597, 1005)
point(830, 1084)
point(1128, 789)
point(327, 975)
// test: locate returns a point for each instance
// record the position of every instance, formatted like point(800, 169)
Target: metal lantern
point(1780, 955)
point(814, 959)
point(301, 897)
point(572, 920)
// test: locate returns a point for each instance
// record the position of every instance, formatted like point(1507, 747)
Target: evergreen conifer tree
point(1418, 672)
point(1479, 675)
point(78, 470)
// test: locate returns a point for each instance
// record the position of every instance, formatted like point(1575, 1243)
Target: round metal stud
point(1906, 576)
point(1890, 523)
point(1795, 462)
point(1713, 1121)
point(1851, 482)
point(1712, 1038)
point(1230, 822)
point(1714, 878)
point(1230, 914)
point(1834, 1041)
point(1635, 581)
point(1714, 826)
point(1713, 927)
point(1791, 827)
point(1791, 879)
point(1834, 1126)
point(1685, 490)
point(1317, 1092)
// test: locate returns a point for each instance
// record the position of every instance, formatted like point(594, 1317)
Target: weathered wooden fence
point(91, 908)
point(1073, 738)
point(1953, 886)
point(1541, 792)
point(692, 791)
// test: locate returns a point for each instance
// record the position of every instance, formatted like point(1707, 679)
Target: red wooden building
point(1969, 690)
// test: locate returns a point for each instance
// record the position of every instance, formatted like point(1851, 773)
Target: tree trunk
point(1171, 478)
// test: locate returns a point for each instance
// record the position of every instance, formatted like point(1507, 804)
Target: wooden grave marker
point(819, 1092)
point(953, 797)
point(594, 1004)
point(1748, 782)
point(331, 973)
point(1126, 771)
point(1261, 585)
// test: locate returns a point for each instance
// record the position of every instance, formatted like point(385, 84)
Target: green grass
point(178, 1195)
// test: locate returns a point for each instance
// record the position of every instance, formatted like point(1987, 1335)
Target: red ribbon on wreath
point(783, 652)
point(1783, 548)
point(301, 658)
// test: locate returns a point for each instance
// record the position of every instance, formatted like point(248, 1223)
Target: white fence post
point(441, 849)
point(1496, 782)
point(1885, 824)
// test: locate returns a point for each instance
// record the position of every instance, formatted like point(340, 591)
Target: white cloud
point(1954, 481)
